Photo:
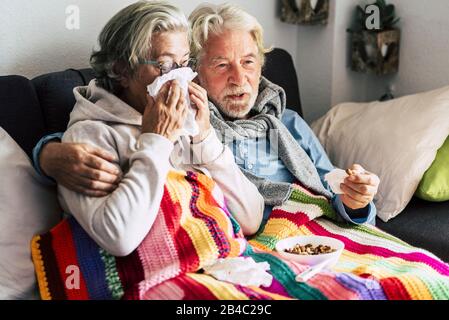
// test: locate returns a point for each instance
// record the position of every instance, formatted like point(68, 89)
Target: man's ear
point(119, 69)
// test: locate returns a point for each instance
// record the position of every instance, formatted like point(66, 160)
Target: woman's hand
point(198, 96)
point(166, 114)
point(80, 167)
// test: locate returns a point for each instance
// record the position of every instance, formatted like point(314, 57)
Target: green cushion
point(434, 185)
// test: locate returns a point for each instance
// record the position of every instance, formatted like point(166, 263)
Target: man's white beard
point(237, 110)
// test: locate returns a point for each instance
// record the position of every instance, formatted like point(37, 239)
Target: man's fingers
point(96, 185)
point(99, 175)
point(73, 184)
point(101, 153)
point(98, 163)
point(369, 179)
point(363, 189)
point(358, 168)
point(90, 193)
point(356, 196)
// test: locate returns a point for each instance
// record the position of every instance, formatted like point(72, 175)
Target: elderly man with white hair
point(273, 145)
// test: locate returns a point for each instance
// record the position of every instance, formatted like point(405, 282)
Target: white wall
point(323, 56)
point(314, 60)
point(323, 63)
point(424, 60)
point(34, 40)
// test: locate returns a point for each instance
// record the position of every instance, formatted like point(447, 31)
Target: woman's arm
point(243, 199)
point(120, 221)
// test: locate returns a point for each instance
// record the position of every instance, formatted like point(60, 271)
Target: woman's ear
point(119, 69)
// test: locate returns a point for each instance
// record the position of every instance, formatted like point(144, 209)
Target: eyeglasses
point(167, 66)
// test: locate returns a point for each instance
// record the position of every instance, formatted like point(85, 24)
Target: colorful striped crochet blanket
point(194, 228)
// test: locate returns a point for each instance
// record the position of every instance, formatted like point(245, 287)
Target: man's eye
point(221, 65)
point(249, 62)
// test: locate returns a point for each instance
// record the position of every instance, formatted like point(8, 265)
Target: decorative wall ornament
point(374, 39)
point(308, 12)
point(375, 52)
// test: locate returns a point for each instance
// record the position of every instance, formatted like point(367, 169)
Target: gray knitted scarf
point(267, 111)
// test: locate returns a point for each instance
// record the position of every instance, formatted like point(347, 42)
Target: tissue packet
point(335, 178)
point(184, 76)
point(242, 271)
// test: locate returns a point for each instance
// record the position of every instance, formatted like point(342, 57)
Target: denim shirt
point(36, 153)
point(256, 156)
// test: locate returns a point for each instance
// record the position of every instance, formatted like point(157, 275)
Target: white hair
point(209, 19)
point(126, 39)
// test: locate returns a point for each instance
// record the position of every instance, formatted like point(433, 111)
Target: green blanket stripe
point(235, 224)
point(323, 204)
point(439, 289)
point(268, 241)
point(286, 277)
point(365, 229)
point(397, 270)
point(112, 276)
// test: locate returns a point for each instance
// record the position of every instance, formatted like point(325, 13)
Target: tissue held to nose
point(183, 76)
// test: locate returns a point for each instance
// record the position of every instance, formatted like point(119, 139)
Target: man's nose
point(237, 76)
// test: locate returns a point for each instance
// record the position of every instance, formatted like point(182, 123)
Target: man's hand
point(198, 96)
point(359, 188)
point(80, 167)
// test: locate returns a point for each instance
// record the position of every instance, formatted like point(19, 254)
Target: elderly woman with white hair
point(114, 112)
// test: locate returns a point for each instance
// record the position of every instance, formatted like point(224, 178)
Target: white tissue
point(241, 271)
point(184, 76)
point(335, 178)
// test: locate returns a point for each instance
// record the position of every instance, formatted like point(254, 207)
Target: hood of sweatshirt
point(97, 104)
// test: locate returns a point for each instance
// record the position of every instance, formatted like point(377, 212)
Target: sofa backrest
point(31, 109)
point(280, 69)
point(20, 112)
point(55, 93)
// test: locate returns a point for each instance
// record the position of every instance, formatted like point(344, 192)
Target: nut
point(310, 250)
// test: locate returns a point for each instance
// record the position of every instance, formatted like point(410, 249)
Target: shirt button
point(250, 166)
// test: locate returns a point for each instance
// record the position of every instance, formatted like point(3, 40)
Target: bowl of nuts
point(311, 250)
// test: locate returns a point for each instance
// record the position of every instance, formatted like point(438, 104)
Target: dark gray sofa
point(30, 109)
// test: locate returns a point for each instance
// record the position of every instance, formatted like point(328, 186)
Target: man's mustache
point(237, 91)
